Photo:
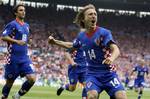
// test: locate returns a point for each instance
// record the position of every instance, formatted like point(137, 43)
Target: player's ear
point(15, 13)
point(82, 20)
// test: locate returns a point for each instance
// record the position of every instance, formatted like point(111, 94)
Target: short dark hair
point(16, 8)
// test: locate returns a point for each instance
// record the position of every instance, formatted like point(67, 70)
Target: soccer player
point(97, 42)
point(126, 79)
point(76, 71)
point(141, 70)
point(101, 51)
point(18, 63)
point(72, 70)
point(76, 67)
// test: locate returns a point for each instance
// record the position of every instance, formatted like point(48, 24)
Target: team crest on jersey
point(98, 41)
point(89, 84)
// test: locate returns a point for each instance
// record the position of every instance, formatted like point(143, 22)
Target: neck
point(20, 19)
point(91, 29)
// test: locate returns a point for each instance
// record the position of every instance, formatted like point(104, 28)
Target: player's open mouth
point(93, 21)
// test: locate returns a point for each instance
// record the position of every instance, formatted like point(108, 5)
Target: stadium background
point(129, 21)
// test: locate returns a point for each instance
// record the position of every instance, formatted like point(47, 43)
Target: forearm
point(9, 39)
point(69, 58)
point(115, 52)
point(63, 44)
point(132, 73)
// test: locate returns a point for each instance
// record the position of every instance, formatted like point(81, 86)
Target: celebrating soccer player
point(76, 68)
point(101, 51)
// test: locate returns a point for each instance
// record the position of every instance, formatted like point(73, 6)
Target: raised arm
point(60, 43)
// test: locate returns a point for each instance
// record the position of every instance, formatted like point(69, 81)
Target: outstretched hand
point(51, 40)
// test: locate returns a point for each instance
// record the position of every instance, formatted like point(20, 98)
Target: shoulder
point(135, 67)
point(104, 30)
point(138, 67)
point(12, 23)
point(80, 34)
point(27, 24)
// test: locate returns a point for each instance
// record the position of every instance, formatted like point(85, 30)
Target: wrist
point(112, 59)
point(15, 41)
point(55, 41)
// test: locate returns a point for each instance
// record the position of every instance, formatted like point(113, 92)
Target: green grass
point(50, 93)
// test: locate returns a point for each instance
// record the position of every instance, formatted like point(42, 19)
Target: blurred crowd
point(132, 34)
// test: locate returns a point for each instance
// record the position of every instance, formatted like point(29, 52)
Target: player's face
point(90, 18)
point(142, 63)
point(20, 12)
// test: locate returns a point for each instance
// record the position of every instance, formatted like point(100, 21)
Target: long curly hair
point(80, 15)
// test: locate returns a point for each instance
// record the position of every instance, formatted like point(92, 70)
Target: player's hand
point(30, 41)
point(20, 42)
point(113, 67)
point(51, 40)
point(73, 53)
point(74, 64)
point(107, 61)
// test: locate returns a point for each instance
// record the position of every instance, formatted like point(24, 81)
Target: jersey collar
point(90, 34)
point(21, 23)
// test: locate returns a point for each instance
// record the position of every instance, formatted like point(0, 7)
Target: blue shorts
point(110, 84)
point(138, 83)
point(15, 69)
point(74, 76)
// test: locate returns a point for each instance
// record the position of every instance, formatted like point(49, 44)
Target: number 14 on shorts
point(115, 82)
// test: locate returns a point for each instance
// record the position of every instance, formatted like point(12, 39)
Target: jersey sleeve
point(135, 69)
point(147, 71)
point(9, 28)
point(70, 50)
point(107, 38)
point(28, 28)
point(76, 43)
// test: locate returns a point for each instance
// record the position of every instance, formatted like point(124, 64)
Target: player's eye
point(21, 10)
